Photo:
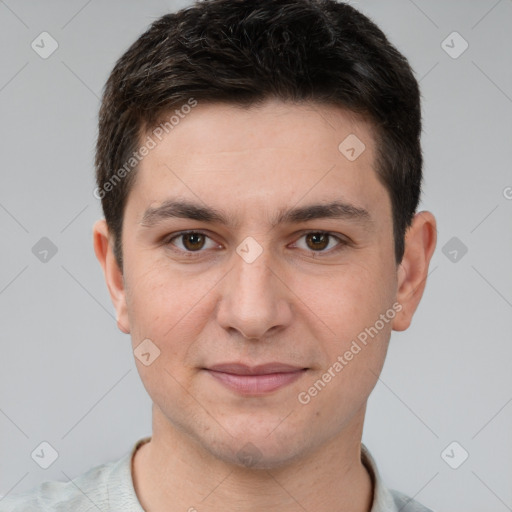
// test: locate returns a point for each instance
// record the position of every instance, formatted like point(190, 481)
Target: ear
point(420, 242)
point(103, 247)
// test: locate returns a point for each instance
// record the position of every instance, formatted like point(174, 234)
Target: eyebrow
point(188, 210)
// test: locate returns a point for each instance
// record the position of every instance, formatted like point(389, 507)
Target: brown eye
point(317, 241)
point(321, 243)
point(193, 241)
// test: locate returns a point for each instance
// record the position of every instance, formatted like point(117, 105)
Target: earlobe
point(103, 249)
point(420, 243)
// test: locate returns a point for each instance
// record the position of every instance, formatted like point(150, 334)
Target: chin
point(253, 449)
point(255, 456)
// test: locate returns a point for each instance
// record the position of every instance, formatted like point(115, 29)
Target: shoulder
point(104, 487)
point(89, 491)
point(406, 504)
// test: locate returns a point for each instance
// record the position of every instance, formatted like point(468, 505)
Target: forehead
point(270, 154)
point(216, 127)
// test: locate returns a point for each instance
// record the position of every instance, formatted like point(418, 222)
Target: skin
point(300, 302)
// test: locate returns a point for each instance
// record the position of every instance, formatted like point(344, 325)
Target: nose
point(254, 298)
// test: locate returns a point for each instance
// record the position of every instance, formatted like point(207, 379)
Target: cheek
point(163, 303)
point(351, 299)
point(357, 307)
point(166, 309)
point(352, 365)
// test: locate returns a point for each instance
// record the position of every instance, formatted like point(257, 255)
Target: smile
point(257, 380)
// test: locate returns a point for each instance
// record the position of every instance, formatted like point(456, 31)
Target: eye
point(195, 241)
point(318, 241)
point(192, 241)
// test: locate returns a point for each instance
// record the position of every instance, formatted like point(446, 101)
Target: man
point(259, 167)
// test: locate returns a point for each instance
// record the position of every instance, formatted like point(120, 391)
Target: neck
point(173, 472)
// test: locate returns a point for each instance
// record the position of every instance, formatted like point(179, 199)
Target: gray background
point(67, 375)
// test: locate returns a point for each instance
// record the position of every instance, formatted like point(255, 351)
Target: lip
point(255, 380)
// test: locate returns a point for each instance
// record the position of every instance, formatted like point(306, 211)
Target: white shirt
point(109, 488)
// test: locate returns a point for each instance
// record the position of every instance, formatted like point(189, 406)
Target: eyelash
point(341, 242)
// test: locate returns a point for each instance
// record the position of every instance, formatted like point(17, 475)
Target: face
point(269, 313)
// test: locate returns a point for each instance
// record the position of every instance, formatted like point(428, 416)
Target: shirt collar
point(382, 499)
